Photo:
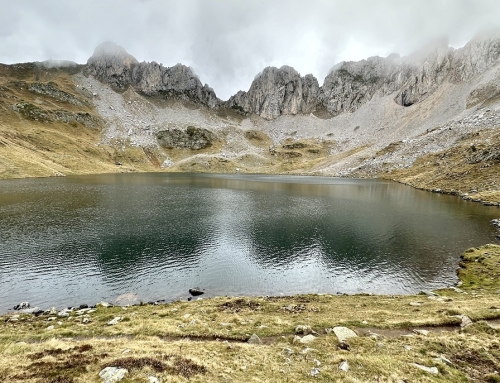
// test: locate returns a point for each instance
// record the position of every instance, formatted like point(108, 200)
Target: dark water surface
point(73, 240)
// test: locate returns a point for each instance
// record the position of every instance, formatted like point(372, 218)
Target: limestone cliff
point(276, 92)
point(111, 64)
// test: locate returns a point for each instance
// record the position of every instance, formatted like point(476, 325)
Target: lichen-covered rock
point(192, 138)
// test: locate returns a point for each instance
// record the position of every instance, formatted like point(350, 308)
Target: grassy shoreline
point(207, 340)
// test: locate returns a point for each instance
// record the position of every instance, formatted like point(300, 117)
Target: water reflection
point(81, 239)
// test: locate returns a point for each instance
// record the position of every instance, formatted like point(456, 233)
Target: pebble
point(50, 327)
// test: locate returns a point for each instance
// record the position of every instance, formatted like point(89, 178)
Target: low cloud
point(228, 42)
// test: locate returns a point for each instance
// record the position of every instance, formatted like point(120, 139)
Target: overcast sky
point(227, 42)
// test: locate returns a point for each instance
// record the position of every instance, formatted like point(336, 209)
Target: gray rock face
point(275, 92)
point(111, 64)
point(351, 84)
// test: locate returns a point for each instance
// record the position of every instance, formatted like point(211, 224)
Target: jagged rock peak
point(111, 64)
point(278, 91)
point(110, 51)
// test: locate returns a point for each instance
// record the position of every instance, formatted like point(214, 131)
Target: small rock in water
point(344, 366)
point(84, 306)
point(22, 306)
point(254, 339)
point(430, 370)
point(113, 374)
point(114, 321)
point(196, 291)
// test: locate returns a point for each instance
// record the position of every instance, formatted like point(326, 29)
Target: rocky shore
point(446, 335)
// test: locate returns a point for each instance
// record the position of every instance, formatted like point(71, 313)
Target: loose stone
point(421, 332)
point(344, 333)
point(344, 366)
point(315, 372)
point(307, 339)
point(254, 339)
point(196, 291)
point(114, 321)
point(22, 306)
point(430, 370)
point(303, 329)
point(112, 374)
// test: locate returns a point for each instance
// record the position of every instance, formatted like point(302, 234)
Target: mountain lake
point(130, 238)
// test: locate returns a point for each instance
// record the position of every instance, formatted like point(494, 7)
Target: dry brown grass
point(472, 166)
point(32, 146)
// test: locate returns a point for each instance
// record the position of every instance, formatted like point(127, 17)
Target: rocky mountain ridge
point(283, 91)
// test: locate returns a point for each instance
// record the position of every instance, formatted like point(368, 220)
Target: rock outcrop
point(111, 64)
point(275, 92)
point(192, 138)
